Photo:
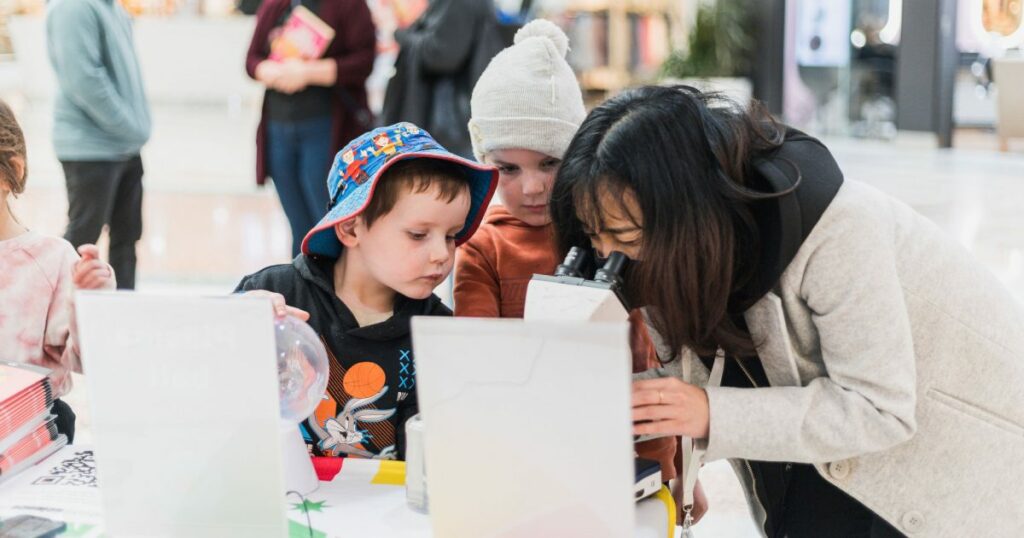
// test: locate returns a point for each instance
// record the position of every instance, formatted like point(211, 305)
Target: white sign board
point(527, 427)
point(185, 414)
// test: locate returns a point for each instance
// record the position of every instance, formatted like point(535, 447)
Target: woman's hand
point(91, 273)
point(668, 406)
point(293, 76)
point(268, 72)
point(281, 309)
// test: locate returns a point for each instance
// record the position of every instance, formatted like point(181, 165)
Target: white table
point(366, 498)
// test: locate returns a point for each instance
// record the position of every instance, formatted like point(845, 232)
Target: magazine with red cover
point(14, 434)
point(304, 36)
point(31, 448)
point(16, 377)
point(28, 404)
point(25, 399)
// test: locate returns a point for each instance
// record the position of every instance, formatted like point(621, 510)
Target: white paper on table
point(350, 505)
point(527, 427)
point(61, 488)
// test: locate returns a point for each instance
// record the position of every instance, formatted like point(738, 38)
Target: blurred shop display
point(1001, 19)
point(822, 57)
point(999, 29)
point(719, 45)
point(9, 8)
point(147, 7)
point(846, 54)
point(617, 43)
point(718, 53)
point(987, 31)
point(1009, 72)
point(873, 70)
point(185, 57)
point(821, 36)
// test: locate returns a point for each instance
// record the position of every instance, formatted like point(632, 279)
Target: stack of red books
point(28, 433)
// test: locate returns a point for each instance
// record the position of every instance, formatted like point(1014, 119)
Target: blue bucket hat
point(359, 166)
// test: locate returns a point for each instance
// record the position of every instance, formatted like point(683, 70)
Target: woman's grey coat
point(896, 364)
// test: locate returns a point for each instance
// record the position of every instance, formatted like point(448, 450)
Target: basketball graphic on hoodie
point(363, 380)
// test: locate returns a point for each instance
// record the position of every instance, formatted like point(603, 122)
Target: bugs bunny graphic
point(342, 433)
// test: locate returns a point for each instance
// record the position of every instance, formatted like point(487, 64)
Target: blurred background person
point(315, 100)
point(441, 57)
point(101, 121)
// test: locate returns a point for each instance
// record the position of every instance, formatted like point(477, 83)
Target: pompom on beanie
point(528, 97)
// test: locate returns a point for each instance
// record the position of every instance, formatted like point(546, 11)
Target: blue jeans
point(298, 160)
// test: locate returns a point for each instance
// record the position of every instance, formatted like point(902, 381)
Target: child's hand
point(281, 309)
point(90, 273)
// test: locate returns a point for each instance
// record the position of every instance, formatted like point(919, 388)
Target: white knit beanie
point(528, 97)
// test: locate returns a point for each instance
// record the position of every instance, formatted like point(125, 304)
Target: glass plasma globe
point(302, 368)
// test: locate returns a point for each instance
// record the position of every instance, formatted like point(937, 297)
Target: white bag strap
point(693, 451)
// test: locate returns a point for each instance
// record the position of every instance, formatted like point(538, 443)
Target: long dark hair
point(686, 156)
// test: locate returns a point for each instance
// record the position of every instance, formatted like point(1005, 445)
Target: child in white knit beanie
point(526, 108)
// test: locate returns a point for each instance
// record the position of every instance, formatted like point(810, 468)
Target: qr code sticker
point(78, 470)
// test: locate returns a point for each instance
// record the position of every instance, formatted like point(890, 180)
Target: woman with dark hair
point(860, 370)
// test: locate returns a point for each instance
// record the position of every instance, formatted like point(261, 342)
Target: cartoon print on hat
point(354, 173)
point(361, 163)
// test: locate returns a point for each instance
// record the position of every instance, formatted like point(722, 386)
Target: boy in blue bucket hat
point(400, 204)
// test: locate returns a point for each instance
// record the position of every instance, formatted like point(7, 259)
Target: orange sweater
point(492, 271)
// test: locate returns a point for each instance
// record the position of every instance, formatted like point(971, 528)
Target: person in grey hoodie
point(101, 122)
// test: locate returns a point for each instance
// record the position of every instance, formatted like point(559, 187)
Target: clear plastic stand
point(415, 475)
point(299, 475)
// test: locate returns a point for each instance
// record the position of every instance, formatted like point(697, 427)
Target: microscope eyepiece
point(572, 266)
point(611, 273)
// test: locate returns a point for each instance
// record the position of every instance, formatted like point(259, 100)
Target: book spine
point(25, 407)
point(45, 434)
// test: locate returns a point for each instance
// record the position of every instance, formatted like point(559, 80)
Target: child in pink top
point(37, 276)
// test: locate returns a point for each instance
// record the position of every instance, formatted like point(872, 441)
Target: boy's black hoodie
point(372, 379)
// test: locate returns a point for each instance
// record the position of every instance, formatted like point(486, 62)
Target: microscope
point(569, 295)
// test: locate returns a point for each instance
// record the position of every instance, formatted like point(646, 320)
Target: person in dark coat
point(442, 55)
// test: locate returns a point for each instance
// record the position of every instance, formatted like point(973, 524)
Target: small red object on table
point(327, 467)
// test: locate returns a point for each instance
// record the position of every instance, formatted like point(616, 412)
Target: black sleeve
point(269, 278)
point(255, 281)
point(244, 285)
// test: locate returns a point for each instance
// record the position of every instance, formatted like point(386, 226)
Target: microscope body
point(561, 298)
point(569, 296)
